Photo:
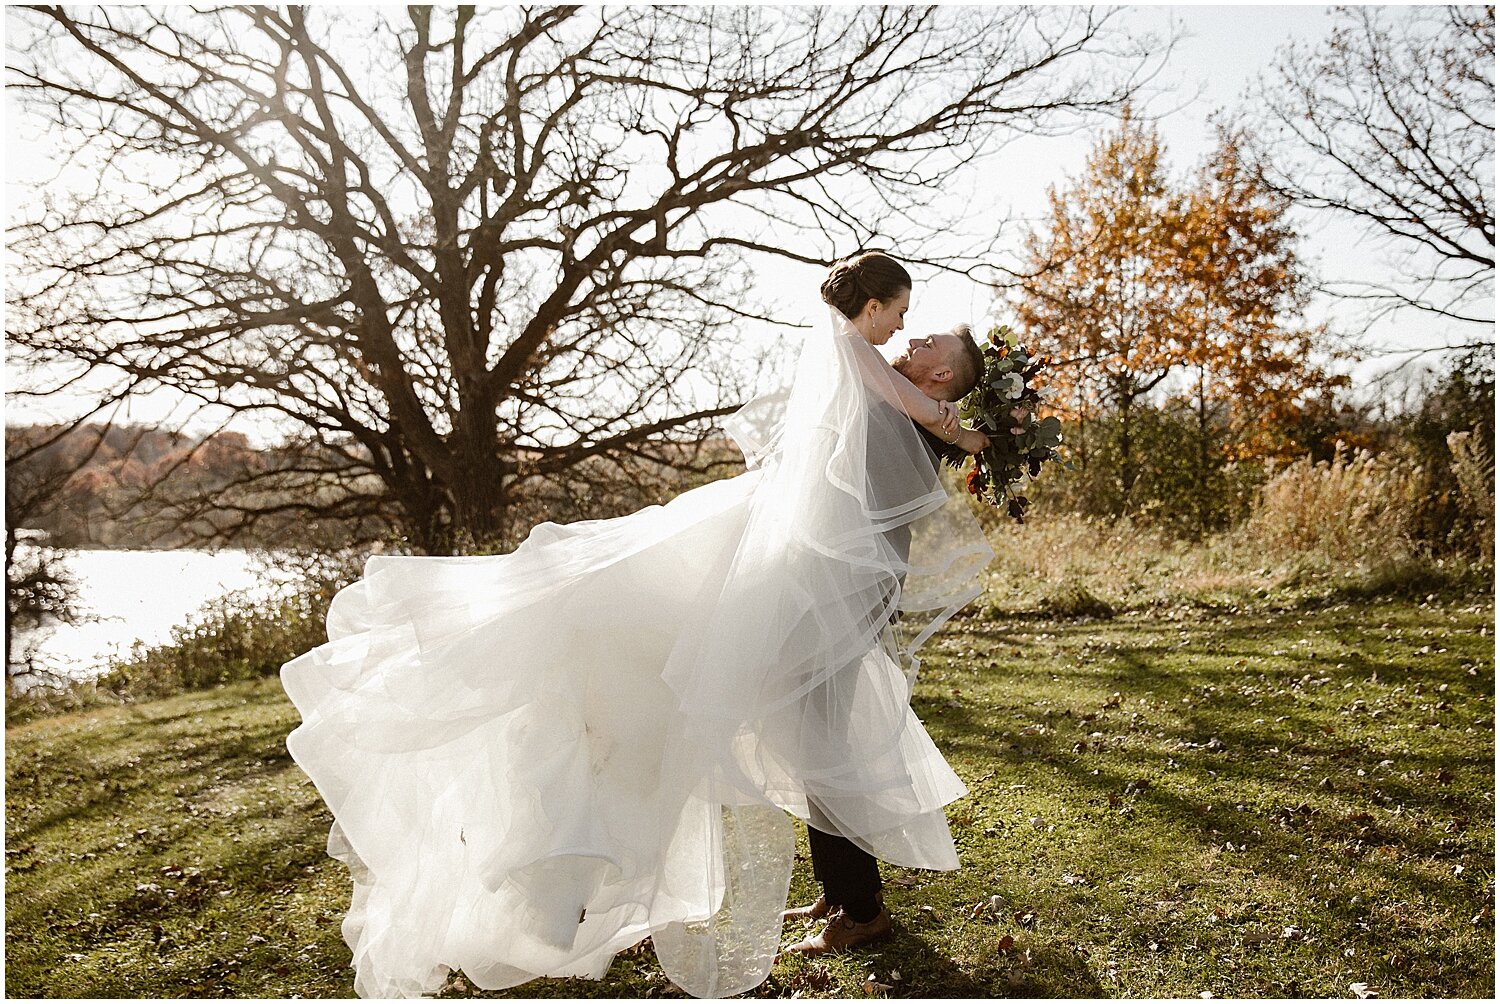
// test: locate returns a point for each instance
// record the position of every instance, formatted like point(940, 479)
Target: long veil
point(536, 759)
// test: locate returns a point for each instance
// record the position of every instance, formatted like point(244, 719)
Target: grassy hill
point(1237, 801)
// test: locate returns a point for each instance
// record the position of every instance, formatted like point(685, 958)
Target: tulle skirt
point(537, 759)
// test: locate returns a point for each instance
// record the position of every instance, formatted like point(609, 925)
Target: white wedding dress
point(537, 759)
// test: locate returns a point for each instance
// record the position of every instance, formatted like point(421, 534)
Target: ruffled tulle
point(537, 759)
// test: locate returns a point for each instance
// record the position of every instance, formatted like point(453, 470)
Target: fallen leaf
point(1007, 943)
point(1362, 991)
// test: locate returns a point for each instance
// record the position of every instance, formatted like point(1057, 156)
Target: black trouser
point(849, 875)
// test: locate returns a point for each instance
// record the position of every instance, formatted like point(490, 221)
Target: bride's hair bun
point(853, 282)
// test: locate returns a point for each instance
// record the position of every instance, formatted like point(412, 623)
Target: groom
point(945, 367)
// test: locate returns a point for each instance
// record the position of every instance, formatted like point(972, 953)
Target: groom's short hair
point(967, 367)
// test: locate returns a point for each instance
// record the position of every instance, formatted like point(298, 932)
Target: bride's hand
point(947, 420)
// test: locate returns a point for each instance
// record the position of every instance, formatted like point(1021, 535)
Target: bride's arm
point(925, 411)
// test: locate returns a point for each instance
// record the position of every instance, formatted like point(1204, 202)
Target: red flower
point(973, 481)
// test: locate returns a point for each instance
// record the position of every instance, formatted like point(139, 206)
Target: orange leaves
point(1138, 281)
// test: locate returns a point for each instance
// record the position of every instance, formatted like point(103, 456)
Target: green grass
point(1233, 798)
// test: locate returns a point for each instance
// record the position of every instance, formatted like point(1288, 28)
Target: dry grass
point(1356, 508)
point(1474, 468)
point(1072, 566)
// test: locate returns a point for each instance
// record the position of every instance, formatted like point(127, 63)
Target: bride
point(537, 759)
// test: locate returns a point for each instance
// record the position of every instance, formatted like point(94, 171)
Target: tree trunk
point(1126, 442)
point(1201, 471)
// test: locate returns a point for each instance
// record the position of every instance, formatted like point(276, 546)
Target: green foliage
point(1457, 489)
point(233, 638)
point(1006, 409)
point(1178, 474)
point(1421, 481)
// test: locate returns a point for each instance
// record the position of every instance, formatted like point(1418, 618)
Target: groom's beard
point(902, 365)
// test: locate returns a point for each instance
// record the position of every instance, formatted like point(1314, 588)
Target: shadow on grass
point(233, 758)
point(1035, 970)
point(1406, 794)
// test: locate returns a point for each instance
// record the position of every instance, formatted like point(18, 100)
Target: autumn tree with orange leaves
point(1152, 296)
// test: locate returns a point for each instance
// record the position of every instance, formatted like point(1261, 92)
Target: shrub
point(1073, 599)
point(238, 636)
point(235, 637)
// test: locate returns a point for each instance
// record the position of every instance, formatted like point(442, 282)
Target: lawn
point(1244, 801)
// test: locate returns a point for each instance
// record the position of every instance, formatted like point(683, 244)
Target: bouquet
point(1004, 407)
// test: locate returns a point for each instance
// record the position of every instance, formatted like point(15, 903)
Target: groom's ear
point(941, 375)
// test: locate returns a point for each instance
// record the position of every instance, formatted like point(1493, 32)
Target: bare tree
point(1389, 122)
point(466, 253)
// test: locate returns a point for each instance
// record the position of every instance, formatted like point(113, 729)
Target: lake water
point(140, 596)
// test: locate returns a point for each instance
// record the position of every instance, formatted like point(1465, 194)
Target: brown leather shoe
point(817, 910)
point(842, 931)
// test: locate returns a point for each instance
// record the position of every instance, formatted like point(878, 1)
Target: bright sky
point(1219, 52)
